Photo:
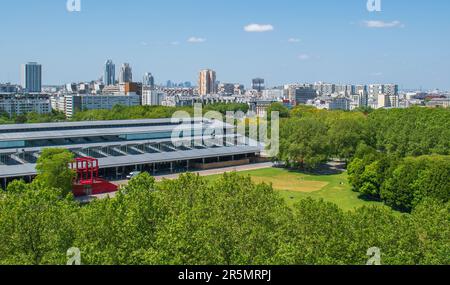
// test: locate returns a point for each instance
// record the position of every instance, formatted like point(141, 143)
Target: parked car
point(133, 174)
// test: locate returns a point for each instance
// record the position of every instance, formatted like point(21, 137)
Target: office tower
point(32, 77)
point(391, 89)
point(301, 95)
point(340, 89)
point(207, 82)
point(383, 101)
point(363, 98)
point(375, 90)
point(258, 84)
point(226, 88)
point(394, 101)
point(148, 81)
point(350, 90)
point(346, 90)
point(327, 88)
point(360, 88)
point(126, 74)
point(109, 74)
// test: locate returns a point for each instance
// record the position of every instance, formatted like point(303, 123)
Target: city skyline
point(291, 41)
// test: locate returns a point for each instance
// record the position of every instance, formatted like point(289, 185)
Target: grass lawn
point(294, 186)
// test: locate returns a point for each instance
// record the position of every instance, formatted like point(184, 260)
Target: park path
point(210, 172)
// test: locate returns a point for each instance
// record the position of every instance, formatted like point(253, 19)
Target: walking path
point(210, 172)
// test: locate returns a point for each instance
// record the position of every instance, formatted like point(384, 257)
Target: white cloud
point(304, 57)
point(258, 28)
point(382, 24)
point(196, 40)
point(294, 40)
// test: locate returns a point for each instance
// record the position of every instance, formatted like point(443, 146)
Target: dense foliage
point(32, 118)
point(400, 156)
point(401, 182)
point(53, 169)
point(229, 221)
point(312, 137)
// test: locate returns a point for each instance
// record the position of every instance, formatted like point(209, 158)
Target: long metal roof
point(82, 124)
point(88, 132)
point(91, 132)
point(129, 160)
point(109, 144)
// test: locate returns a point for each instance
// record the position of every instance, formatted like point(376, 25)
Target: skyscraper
point(207, 82)
point(109, 76)
point(258, 84)
point(148, 81)
point(32, 77)
point(301, 95)
point(126, 74)
point(391, 89)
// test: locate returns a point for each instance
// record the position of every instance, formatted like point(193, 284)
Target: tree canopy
point(53, 167)
point(193, 220)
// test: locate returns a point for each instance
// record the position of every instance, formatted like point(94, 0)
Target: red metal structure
point(87, 181)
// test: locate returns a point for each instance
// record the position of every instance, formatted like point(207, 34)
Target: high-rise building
point(126, 74)
point(325, 88)
point(350, 89)
point(344, 89)
point(226, 88)
point(207, 82)
point(391, 89)
point(258, 84)
point(361, 88)
point(109, 74)
point(375, 90)
point(361, 99)
point(301, 95)
point(32, 77)
point(394, 101)
point(148, 81)
point(383, 101)
point(151, 97)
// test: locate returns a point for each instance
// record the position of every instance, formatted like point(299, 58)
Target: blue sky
point(306, 40)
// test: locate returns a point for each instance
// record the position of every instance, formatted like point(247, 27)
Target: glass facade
point(12, 144)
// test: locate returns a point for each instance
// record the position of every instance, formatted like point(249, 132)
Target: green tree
point(417, 178)
point(54, 170)
point(122, 230)
point(303, 143)
point(280, 108)
point(36, 225)
point(346, 134)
